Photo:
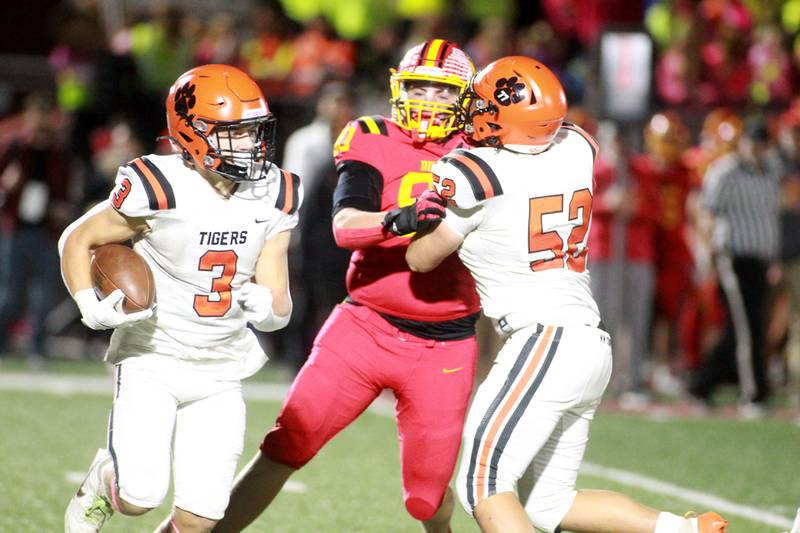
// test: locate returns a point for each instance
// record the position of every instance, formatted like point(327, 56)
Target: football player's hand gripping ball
point(422, 216)
point(106, 313)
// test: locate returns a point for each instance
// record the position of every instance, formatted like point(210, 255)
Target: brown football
point(115, 266)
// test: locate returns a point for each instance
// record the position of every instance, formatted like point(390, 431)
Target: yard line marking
point(384, 406)
point(74, 477)
point(69, 384)
point(704, 499)
point(294, 486)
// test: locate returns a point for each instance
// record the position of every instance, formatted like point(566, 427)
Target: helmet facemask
point(234, 164)
point(471, 105)
point(426, 86)
point(231, 161)
point(427, 119)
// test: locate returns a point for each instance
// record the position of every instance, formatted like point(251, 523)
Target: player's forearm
point(76, 259)
point(420, 256)
point(281, 302)
point(272, 272)
point(100, 225)
point(427, 252)
point(354, 229)
point(351, 218)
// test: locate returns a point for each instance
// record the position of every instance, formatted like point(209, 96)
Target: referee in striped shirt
point(740, 197)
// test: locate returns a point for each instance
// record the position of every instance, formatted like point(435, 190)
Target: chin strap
point(175, 143)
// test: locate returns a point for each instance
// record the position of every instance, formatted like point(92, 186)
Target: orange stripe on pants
point(498, 423)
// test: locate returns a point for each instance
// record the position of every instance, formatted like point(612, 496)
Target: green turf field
point(47, 440)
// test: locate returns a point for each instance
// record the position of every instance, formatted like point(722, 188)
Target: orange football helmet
point(210, 100)
point(435, 61)
point(666, 135)
point(514, 100)
point(721, 131)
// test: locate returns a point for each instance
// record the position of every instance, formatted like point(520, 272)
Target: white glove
point(106, 313)
point(256, 303)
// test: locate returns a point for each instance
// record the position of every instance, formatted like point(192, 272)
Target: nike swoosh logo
point(261, 221)
point(452, 370)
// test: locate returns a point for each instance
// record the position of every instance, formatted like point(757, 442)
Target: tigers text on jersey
point(201, 247)
point(525, 218)
point(379, 276)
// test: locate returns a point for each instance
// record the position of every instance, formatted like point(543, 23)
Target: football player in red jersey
point(398, 330)
point(666, 140)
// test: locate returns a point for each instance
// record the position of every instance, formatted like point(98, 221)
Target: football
point(115, 266)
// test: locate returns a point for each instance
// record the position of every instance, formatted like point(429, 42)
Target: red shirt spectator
point(638, 203)
point(587, 18)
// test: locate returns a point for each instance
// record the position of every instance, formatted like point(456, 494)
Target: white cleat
point(709, 522)
point(89, 508)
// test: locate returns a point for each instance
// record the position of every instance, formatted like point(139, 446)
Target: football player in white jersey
point(519, 212)
point(213, 222)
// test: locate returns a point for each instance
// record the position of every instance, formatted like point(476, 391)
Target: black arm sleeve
point(360, 186)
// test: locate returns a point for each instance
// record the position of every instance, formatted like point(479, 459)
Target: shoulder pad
point(141, 188)
point(586, 136)
point(290, 192)
point(465, 179)
point(375, 125)
point(361, 140)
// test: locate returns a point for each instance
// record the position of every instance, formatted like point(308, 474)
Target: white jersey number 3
point(220, 285)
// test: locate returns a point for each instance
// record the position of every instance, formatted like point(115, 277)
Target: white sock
point(671, 523)
point(103, 486)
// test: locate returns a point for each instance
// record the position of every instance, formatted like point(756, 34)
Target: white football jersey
point(201, 248)
point(525, 219)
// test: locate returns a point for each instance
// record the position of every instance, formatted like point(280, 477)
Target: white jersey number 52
point(570, 255)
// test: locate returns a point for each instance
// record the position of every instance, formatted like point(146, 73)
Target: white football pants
point(166, 412)
point(534, 409)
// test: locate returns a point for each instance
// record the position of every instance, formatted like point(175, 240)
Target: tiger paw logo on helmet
point(184, 101)
point(510, 91)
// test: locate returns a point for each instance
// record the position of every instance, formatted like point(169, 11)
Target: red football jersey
point(378, 276)
point(674, 185)
point(641, 224)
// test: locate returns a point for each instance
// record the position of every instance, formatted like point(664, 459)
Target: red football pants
point(356, 355)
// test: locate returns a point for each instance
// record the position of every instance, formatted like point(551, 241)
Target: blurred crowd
point(724, 76)
point(694, 256)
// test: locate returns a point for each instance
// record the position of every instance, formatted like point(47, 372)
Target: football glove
point(106, 313)
point(422, 216)
point(256, 303)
